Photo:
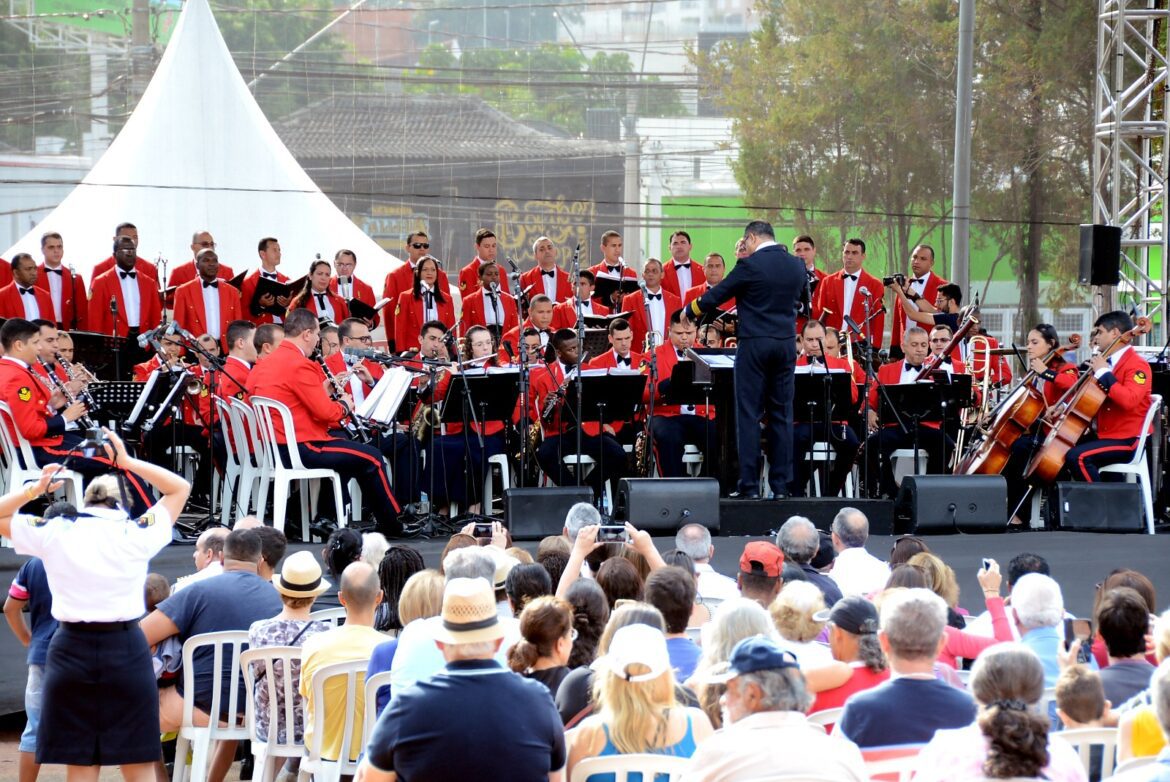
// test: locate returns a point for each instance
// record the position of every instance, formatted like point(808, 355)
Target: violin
point(1072, 415)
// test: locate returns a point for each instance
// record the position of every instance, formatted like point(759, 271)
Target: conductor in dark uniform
point(767, 285)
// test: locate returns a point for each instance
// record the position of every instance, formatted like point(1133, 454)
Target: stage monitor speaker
point(1100, 255)
point(662, 505)
point(942, 504)
point(534, 513)
point(1098, 507)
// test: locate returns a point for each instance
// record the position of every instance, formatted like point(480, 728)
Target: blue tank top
point(684, 748)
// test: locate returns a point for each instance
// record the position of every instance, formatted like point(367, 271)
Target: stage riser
point(763, 517)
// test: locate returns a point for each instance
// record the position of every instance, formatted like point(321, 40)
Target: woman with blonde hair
point(637, 712)
point(794, 614)
point(941, 580)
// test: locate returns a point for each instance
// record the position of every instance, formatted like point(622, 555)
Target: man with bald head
point(360, 592)
point(546, 277)
point(186, 271)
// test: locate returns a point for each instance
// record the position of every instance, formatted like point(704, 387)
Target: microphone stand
point(653, 383)
point(72, 298)
point(114, 335)
point(469, 407)
point(161, 264)
point(214, 364)
point(580, 358)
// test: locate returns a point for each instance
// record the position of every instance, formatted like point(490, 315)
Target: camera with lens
point(94, 442)
point(894, 278)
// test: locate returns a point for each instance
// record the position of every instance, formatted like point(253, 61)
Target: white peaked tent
point(198, 153)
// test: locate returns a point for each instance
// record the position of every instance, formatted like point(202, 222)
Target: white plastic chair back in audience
point(964, 675)
point(373, 684)
point(258, 666)
point(320, 769)
point(231, 469)
point(198, 739)
point(22, 465)
point(1137, 468)
point(826, 716)
point(796, 778)
point(903, 766)
point(1084, 739)
point(621, 766)
point(334, 617)
point(284, 470)
point(250, 452)
point(1133, 763)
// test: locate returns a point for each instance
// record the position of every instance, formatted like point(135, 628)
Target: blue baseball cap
point(757, 653)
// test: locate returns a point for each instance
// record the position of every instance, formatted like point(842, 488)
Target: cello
point(1070, 417)
point(1011, 419)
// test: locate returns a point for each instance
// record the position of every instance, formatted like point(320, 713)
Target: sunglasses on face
point(420, 245)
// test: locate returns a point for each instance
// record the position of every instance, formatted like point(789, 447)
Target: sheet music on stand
point(382, 403)
point(152, 400)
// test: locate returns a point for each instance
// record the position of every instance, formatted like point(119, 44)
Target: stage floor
point(1078, 560)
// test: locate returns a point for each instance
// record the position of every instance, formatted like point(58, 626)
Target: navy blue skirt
point(100, 698)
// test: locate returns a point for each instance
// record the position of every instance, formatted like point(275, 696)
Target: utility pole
point(961, 196)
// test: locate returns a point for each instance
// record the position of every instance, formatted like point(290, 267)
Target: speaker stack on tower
point(1100, 255)
point(943, 504)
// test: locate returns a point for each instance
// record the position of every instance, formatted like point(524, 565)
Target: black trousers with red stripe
point(362, 463)
point(91, 467)
point(1085, 460)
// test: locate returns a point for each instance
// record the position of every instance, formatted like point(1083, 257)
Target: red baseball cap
point(762, 558)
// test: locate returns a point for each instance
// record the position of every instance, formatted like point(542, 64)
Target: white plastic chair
point(334, 617)
point(1136, 469)
point(260, 670)
point(22, 465)
point(373, 684)
point(1084, 739)
point(199, 739)
point(823, 452)
point(284, 470)
point(489, 497)
point(903, 461)
point(231, 467)
point(649, 766)
point(1133, 763)
point(692, 460)
point(250, 452)
point(826, 717)
point(897, 762)
point(314, 766)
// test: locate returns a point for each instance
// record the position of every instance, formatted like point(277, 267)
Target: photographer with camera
point(35, 420)
point(945, 311)
point(594, 536)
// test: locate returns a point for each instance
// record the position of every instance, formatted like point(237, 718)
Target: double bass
point(1072, 415)
point(1011, 419)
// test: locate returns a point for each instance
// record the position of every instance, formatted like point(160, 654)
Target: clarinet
point(83, 395)
point(56, 384)
point(351, 423)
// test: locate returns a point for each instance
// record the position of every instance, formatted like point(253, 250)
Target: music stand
point(155, 400)
point(596, 341)
point(920, 402)
point(115, 399)
point(605, 398)
point(956, 392)
point(494, 397)
point(97, 351)
point(821, 396)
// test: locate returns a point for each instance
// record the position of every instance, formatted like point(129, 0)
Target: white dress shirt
point(1100, 373)
point(857, 572)
point(345, 287)
point(28, 297)
point(430, 306)
point(211, 307)
point(324, 305)
point(549, 283)
point(683, 273)
point(715, 586)
point(657, 314)
point(918, 285)
point(56, 281)
point(130, 298)
point(850, 290)
point(493, 311)
point(584, 307)
point(909, 373)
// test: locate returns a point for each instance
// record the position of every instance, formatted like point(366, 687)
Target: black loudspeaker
point(662, 505)
point(941, 504)
point(756, 518)
point(1100, 255)
point(534, 513)
point(1097, 507)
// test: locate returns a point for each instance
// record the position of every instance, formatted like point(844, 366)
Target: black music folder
point(279, 290)
point(605, 287)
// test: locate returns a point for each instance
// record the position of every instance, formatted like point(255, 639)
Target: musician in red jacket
point(661, 303)
point(546, 277)
point(427, 300)
point(888, 436)
point(66, 288)
point(924, 284)
point(291, 377)
point(681, 272)
point(540, 315)
point(256, 309)
point(1126, 379)
point(22, 298)
point(35, 419)
point(565, 313)
point(714, 270)
point(838, 434)
point(317, 298)
point(418, 244)
point(141, 265)
point(560, 431)
point(348, 287)
point(186, 271)
point(125, 302)
point(207, 305)
point(612, 265)
point(676, 426)
point(619, 356)
point(488, 305)
point(486, 247)
point(848, 291)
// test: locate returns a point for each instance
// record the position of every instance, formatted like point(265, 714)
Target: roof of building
point(423, 127)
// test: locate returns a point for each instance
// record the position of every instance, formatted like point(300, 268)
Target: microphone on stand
point(114, 306)
point(864, 291)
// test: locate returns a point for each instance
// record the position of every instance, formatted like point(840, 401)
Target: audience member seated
point(360, 593)
point(636, 707)
point(1159, 771)
point(910, 707)
point(767, 733)
point(907, 577)
point(1038, 608)
point(794, 614)
point(904, 548)
point(343, 548)
point(1123, 619)
point(525, 583)
point(397, 565)
point(298, 583)
point(960, 643)
point(734, 621)
point(672, 591)
point(701, 612)
point(853, 639)
point(941, 580)
point(421, 597)
point(208, 556)
point(1139, 734)
point(1019, 566)
point(472, 719)
point(547, 634)
point(273, 545)
point(799, 540)
point(1125, 577)
point(233, 600)
point(590, 615)
point(759, 573)
point(695, 541)
point(1080, 698)
point(1009, 736)
point(855, 571)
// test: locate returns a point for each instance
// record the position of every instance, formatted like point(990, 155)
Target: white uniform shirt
point(430, 306)
point(345, 287)
point(850, 290)
point(493, 310)
point(324, 305)
point(55, 283)
point(28, 297)
point(549, 281)
point(96, 566)
point(917, 285)
point(657, 313)
point(211, 308)
point(683, 274)
point(130, 298)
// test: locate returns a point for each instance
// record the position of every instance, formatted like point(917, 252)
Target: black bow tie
point(268, 275)
point(613, 269)
point(128, 275)
point(915, 367)
point(686, 265)
point(343, 281)
point(550, 273)
point(57, 271)
point(213, 284)
point(623, 360)
point(654, 296)
point(25, 291)
point(851, 277)
point(680, 354)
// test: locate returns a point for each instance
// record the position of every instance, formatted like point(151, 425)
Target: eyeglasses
point(420, 245)
point(943, 340)
point(366, 340)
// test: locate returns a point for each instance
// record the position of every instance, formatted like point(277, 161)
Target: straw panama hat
point(469, 613)
point(300, 576)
